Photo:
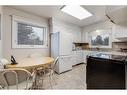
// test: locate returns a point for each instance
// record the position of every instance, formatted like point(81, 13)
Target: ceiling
point(54, 11)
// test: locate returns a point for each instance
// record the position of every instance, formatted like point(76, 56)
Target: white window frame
point(94, 33)
point(17, 19)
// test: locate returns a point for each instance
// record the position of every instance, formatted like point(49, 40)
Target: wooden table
point(31, 62)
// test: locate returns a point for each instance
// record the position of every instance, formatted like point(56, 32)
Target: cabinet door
point(120, 31)
point(65, 44)
point(114, 34)
point(79, 57)
point(55, 45)
point(85, 54)
point(73, 60)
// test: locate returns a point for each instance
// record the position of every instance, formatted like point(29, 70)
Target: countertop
point(112, 57)
point(106, 52)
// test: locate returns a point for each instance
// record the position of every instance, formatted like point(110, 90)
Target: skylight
point(76, 11)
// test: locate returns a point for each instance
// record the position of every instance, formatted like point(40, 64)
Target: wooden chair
point(52, 69)
point(1, 66)
point(4, 61)
point(14, 80)
point(48, 71)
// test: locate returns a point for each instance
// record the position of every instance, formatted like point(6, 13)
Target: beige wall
point(57, 25)
point(61, 26)
point(7, 49)
point(0, 9)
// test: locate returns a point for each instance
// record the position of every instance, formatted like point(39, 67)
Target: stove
point(106, 71)
point(113, 57)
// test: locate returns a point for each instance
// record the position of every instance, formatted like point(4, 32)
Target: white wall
point(61, 26)
point(94, 27)
point(0, 32)
point(7, 48)
point(0, 39)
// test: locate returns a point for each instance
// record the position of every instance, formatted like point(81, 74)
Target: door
point(55, 44)
point(65, 44)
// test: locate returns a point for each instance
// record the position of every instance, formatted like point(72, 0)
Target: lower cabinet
point(73, 58)
point(77, 57)
point(105, 74)
point(80, 56)
point(85, 54)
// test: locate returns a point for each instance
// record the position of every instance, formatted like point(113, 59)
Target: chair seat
point(21, 86)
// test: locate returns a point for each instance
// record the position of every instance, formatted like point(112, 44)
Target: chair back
point(13, 76)
point(1, 86)
point(4, 61)
point(55, 62)
point(1, 66)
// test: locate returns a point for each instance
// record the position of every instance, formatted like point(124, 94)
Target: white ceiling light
point(76, 11)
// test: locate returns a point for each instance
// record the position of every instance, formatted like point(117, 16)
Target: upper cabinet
point(120, 32)
point(119, 16)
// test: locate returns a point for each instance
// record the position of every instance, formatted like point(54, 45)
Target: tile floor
point(74, 79)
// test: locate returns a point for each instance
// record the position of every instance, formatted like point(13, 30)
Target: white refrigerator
point(61, 45)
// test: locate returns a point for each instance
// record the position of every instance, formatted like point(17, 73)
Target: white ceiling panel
point(54, 11)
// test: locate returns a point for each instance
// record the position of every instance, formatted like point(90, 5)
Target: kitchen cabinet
point(73, 58)
point(80, 56)
point(77, 57)
point(114, 38)
point(126, 75)
point(105, 74)
point(85, 54)
point(119, 32)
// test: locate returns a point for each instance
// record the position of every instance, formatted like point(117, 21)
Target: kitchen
point(116, 32)
point(73, 40)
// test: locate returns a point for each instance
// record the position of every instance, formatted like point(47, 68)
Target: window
point(28, 35)
point(101, 38)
